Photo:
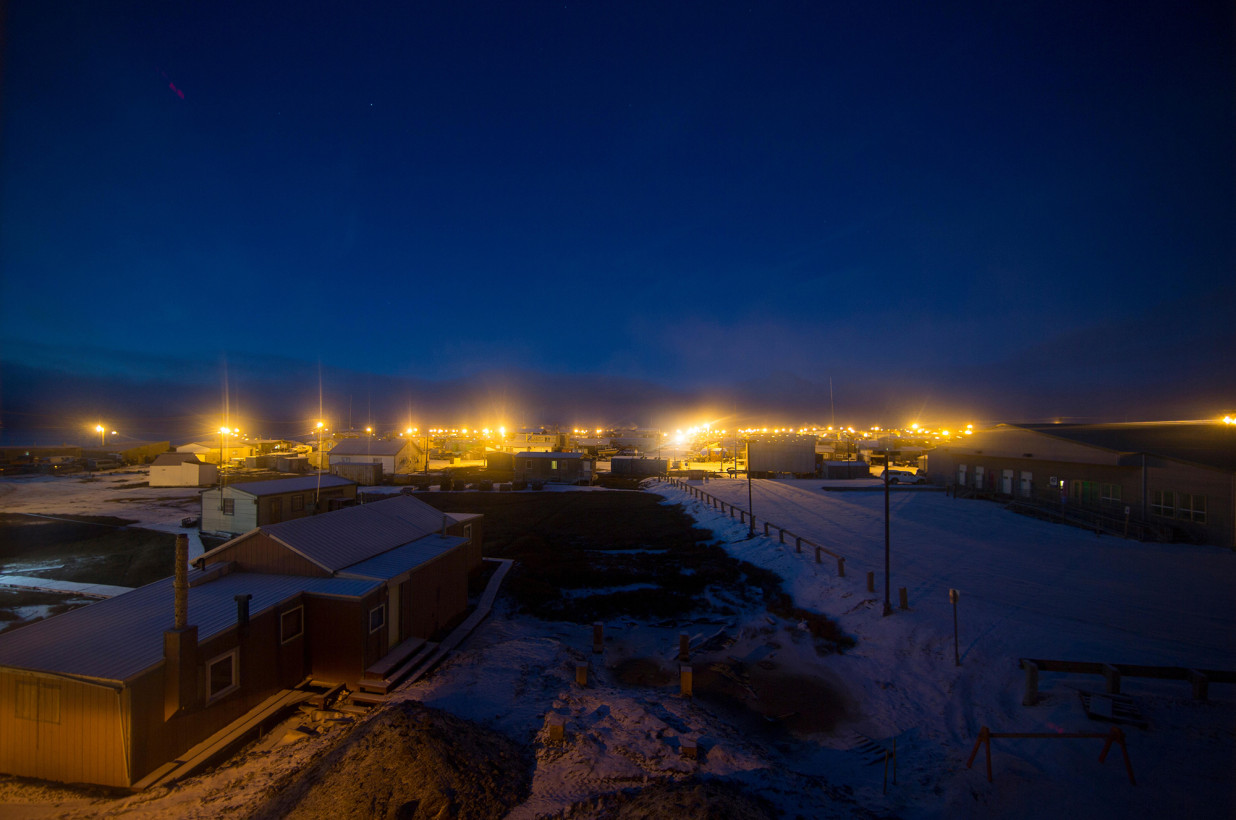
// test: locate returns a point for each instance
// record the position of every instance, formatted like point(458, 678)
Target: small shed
point(182, 470)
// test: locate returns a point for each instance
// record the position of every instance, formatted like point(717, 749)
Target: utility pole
point(888, 605)
point(750, 508)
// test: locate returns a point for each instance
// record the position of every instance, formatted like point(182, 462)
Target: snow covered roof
point(346, 537)
point(175, 459)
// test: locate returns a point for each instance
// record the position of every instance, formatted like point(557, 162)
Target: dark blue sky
point(1012, 210)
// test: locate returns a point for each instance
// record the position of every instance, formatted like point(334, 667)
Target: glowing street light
point(102, 434)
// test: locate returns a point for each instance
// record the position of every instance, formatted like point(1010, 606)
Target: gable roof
point(393, 563)
point(1206, 443)
point(118, 638)
point(342, 538)
point(175, 459)
point(278, 486)
point(369, 447)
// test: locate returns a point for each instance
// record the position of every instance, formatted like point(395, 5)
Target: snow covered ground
point(1028, 589)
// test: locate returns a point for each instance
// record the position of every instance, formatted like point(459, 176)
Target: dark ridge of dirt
point(411, 762)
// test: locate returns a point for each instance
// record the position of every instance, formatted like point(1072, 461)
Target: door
point(978, 477)
point(1027, 483)
point(961, 475)
point(1006, 482)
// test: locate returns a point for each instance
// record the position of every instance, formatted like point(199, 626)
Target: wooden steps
point(224, 740)
point(397, 670)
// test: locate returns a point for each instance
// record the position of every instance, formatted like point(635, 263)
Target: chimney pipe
point(181, 583)
point(242, 610)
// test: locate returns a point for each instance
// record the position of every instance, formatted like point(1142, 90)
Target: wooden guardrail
point(1113, 672)
point(743, 516)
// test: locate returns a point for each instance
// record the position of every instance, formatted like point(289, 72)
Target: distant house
point(114, 692)
point(397, 455)
point(212, 451)
point(555, 468)
point(240, 507)
point(1157, 480)
point(182, 470)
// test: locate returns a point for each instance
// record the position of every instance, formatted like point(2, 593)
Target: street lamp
point(750, 509)
point(888, 605)
point(102, 435)
point(318, 492)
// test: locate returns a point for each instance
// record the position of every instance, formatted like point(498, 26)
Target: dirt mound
point(687, 800)
point(411, 761)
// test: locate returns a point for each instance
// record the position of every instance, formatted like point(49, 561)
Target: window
point(292, 624)
point(38, 701)
point(1191, 508)
point(229, 506)
point(1163, 502)
point(468, 531)
point(553, 464)
point(298, 503)
point(1109, 493)
point(377, 618)
point(221, 676)
point(529, 464)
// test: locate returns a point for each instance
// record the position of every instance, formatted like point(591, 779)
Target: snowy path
point(1169, 602)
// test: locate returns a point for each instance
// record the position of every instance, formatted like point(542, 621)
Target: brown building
point(112, 692)
point(555, 468)
point(1165, 481)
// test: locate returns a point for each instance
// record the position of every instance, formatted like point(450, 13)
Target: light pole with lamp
point(101, 430)
point(750, 508)
point(317, 494)
point(888, 606)
point(223, 432)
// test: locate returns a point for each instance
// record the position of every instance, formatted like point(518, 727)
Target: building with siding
point(182, 470)
point(555, 468)
point(1166, 480)
point(395, 455)
point(240, 507)
point(113, 692)
point(783, 454)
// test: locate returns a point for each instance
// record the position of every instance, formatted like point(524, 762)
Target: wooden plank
point(221, 741)
point(395, 657)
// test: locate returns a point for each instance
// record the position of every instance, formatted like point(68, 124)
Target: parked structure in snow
point(1156, 480)
point(845, 469)
point(115, 692)
point(637, 466)
point(240, 507)
point(555, 468)
point(182, 470)
point(786, 453)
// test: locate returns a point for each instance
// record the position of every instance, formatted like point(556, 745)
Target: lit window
point(221, 676)
point(292, 624)
point(377, 618)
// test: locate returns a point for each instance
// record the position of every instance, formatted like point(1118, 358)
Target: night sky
point(619, 211)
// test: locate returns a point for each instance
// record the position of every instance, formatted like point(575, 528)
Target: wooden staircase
point(388, 672)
